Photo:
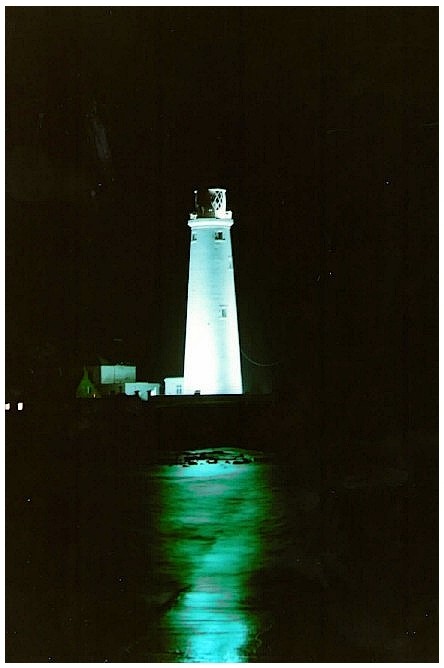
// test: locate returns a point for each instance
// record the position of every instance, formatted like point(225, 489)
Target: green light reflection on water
point(212, 523)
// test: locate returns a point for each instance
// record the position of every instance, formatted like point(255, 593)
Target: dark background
point(322, 125)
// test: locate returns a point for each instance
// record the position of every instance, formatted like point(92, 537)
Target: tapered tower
point(212, 355)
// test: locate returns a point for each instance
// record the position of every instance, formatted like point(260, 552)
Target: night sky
point(321, 123)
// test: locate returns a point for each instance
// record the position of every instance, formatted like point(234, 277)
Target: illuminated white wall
point(143, 388)
point(212, 355)
point(117, 373)
point(174, 385)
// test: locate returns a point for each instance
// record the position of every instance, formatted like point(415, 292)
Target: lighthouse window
point(194, 237)
point(223, 312)
point(219, 236)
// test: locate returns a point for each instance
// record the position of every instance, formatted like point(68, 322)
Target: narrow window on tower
point(223, 312)
point(219, 236)
point(194, 237)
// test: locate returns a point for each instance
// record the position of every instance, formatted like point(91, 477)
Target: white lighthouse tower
point(212, 355)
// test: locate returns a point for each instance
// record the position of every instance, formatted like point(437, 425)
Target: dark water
point(216, 562)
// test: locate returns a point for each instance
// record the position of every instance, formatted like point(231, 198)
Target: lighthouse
point(212, 354)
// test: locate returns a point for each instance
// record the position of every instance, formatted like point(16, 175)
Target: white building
point(212, 354)
point(114, 374)
point(110, 379)
point(143, 389)
point(174, 385)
